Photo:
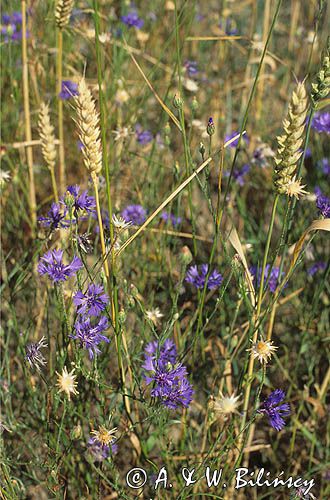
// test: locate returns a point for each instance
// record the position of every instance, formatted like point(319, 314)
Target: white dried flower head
point(122, 133)
point(263, 350)
point(66, 382)
point(103, 435)
point(88, 127)
point(105, 37)
point(120, 223)
point(4, 178)
point(63, 12)
point(154, 315)
point(121, 96)
point(190, 85)
point(226, 404)
point(294, 188)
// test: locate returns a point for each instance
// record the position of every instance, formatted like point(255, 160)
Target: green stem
point(256, 328)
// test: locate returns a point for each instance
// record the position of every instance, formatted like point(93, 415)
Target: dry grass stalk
point(63, 12)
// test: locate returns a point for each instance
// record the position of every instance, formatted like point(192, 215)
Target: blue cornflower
point(197, 278)
point(11, 28)
point(191, 68)
point(100, 451)
point(274, 410)
point(325, 166)
point(169, 379)
point(274, 277)
point(180, 394)
point(132, 19)
point(165, 353)
point(68, 90)
point(239, 174)
point(56, 218)
point(168, 217)
point(316, 267)
point(90, 335)
point(235, 143)
point(51, 264)
point(143, 136)
point(322, 203)
point(93, 302)
point(80, 202)
point(33, 355)
point(321, 122)
point(135, 214)
point(229, 26)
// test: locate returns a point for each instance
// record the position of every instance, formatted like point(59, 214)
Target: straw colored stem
point(60, 110)
point(27, 122)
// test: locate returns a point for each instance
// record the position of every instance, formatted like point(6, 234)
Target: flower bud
point(210, 129)
point(194, 104)
point(185, 255)
point(177, 101)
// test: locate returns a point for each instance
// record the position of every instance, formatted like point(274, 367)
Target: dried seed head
point(321, 88)
point(290, 142)
point(88, 128)
point(63, 12)
point(46, 132)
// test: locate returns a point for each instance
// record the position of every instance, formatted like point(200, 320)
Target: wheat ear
point(321, 87)
point(47, 137)
point(63, 12)
point(289, 144)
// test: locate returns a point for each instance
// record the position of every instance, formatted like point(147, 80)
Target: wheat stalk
point(89, 133)
point(63, 12)
point(47, 138)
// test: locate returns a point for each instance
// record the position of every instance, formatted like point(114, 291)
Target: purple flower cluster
point(228, 26)
point(56, 218)
point(272, 408)
point(322, 203)
point(197, 277)
point(90, 335)
point(321, 122)
point(143, 136)
point(52, 264)
point(169, 378)
point(68, 90)
point(100, 451)
point(91, 303)
point(325, 166)
point(168, 217)
point(191, 68)
point(234, 144)
point(273, 278)
point(11, 27)
point(316, 267)
point(132, 19)
point(135, 214)
point(78, 202)
point(239, 174)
